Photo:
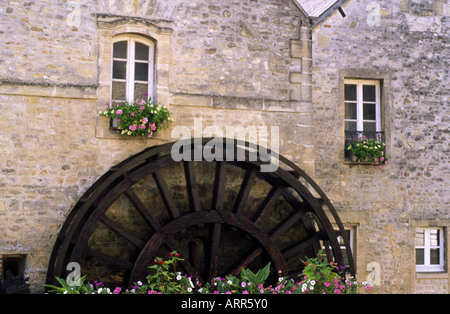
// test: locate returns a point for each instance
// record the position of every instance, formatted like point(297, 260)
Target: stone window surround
point(440, 267)
point(384, 76)
point(110, 27)
point(430, 223)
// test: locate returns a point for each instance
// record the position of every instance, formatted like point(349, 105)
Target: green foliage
point(370, 150)
point(318, 277)
point(139, 118)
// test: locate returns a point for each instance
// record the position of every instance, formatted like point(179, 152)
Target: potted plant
point(370, 150)
point(138, 118)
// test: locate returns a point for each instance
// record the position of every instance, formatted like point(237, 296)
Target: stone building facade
point(266, 63)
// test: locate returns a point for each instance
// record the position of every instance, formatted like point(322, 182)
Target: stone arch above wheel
point(221, 215)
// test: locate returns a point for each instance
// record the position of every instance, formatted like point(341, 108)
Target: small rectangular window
point(132, 69)
point(429, 249)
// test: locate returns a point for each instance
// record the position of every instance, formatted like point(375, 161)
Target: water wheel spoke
point(244, 192)
point(192, 186)
point(165, 193)
point(300, 246)
point(213, 249)
point(120, 230)
point(143, 210)
point(245, 261)
point(111, 260)
point(219, 185)
point(287, 223)
point(268, 203)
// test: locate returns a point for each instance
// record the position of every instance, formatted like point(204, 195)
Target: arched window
point(132, 68)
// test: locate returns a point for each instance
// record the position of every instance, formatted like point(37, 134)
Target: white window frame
point(130, 78)
point(359, 103)
point(427, 267)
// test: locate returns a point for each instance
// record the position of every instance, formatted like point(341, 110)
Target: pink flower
point(145, 120)
point(326, 284)
point(132, 127)
point(382, 158)
point(245, 292)
point(381, 167)
point(119, 111)
point(152, 126)
point(132, 114)
point(150, 134)
point(337, 291)
point(142, 126)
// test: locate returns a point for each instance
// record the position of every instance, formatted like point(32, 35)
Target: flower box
point(138, 118)
point(367, 150)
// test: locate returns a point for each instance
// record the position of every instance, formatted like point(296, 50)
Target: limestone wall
point(405, 45)
point(227, 62)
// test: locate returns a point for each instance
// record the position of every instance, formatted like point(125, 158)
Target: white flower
point(189, 289)
point(312, 282)
point(139, 283)
point(229, 282)
point(179, 277)
point(100, 290)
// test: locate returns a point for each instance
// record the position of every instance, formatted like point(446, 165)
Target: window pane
point(350, 92)
point(120, 70)
point(141, 52)
point(350, 111)
point(141, 71)
point(119, 90)
point(369, 112)
point(369, 127)
point(140, 90)
point(434, 237)
point(420, 258)
point(434, 257)
point(350, 126)
point(369, 93)
point(420, 237)
point(120, 49)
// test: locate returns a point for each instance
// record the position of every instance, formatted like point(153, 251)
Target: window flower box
point(368, 150)
point(138, 118)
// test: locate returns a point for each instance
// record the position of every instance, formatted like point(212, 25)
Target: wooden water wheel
point(221, 216)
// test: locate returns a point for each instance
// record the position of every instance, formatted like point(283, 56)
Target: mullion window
point(429, 249)
point(132, 69)
point(362, 106)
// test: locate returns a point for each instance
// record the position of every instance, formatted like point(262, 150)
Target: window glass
point(369, 93)
point(369, 112)
point(119, 90)
point(420, 237)
point(140, 89)
point(420, 256)
point(350, 111)
point(142, 52)
point(141, 72)
point(370, 127)
point(350, 92)
point(120, 70)
point(120, 49)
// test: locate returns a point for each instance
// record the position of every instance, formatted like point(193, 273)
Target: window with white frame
point(429, 244)
point(132, 68)
point(362, 105)
point(349, 236)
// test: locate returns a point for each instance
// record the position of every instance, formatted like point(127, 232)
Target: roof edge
point(327, 13)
